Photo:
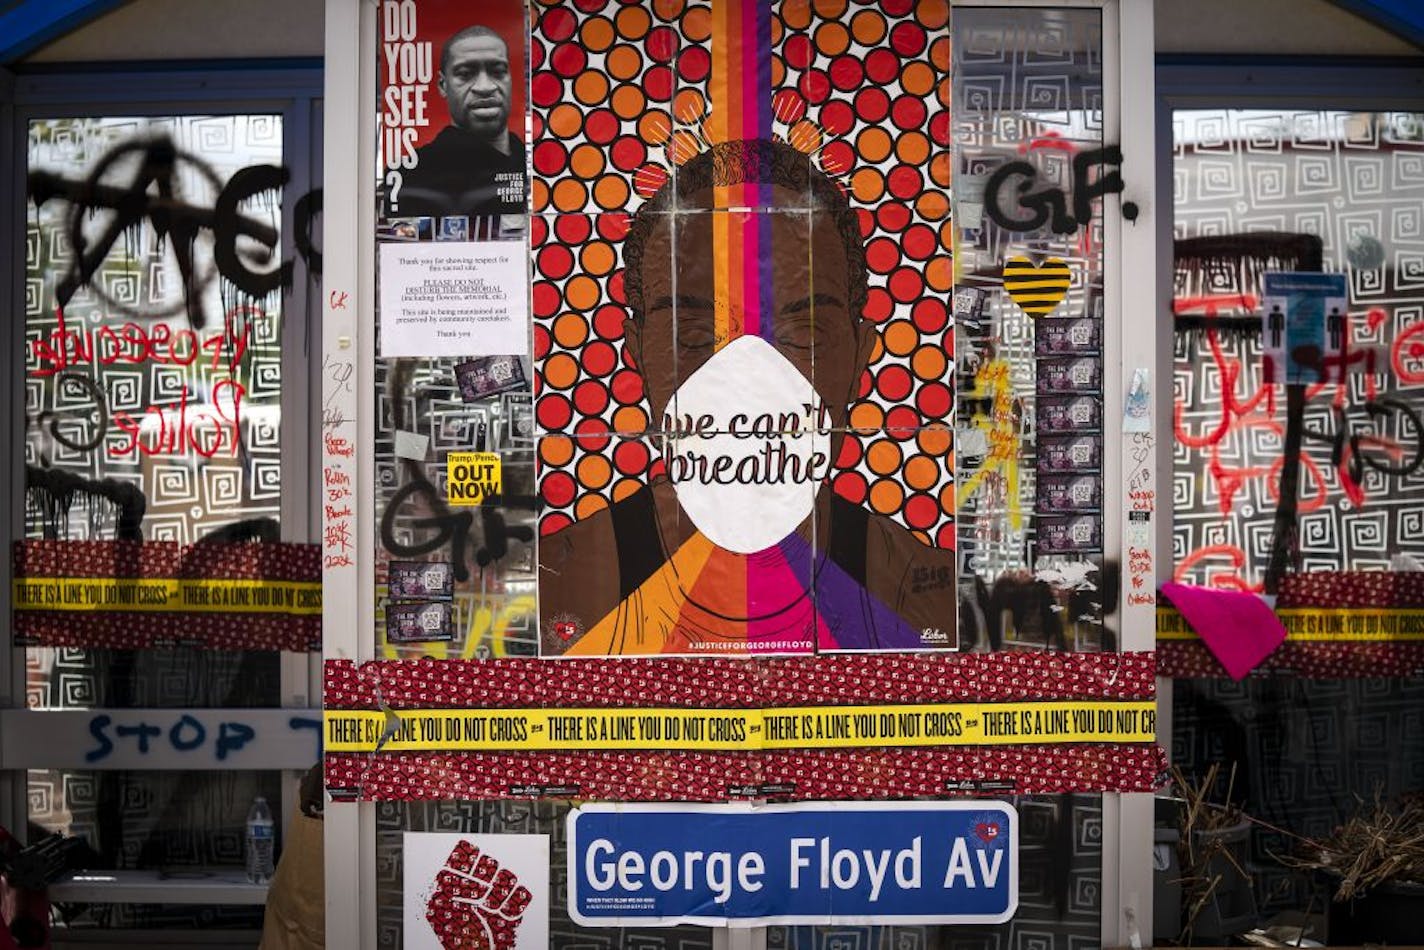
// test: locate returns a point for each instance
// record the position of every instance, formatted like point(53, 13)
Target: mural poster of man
point(444, 59)
point(750, 359)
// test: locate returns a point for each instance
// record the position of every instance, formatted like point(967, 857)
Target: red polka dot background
point(620, 98)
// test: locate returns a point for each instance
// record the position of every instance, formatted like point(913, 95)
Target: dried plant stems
point(1383, 843)
point(1198, 847)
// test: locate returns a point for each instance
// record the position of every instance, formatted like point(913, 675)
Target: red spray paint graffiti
point(182, 424)
point(1356, 441)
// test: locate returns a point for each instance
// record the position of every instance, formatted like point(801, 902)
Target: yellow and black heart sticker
point(1037, 290)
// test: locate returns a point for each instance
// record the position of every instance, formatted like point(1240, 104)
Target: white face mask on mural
point(747, 446)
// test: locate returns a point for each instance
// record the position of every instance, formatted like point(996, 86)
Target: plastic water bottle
point(260, 838)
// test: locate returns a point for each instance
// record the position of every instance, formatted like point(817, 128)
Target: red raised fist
point(476, 904)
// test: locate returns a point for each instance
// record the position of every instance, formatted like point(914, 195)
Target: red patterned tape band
point(688, 776)
point(137, 595)
point(831, 679)
point(1189, 659)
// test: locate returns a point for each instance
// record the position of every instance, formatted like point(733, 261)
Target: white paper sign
point(494, 885)
point(454, 298)
point(412, 445)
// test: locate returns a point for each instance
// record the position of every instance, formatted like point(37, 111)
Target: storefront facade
point(672, 428)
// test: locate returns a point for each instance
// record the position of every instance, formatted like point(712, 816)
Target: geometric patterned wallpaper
point(1356, 180)
point(172, 382)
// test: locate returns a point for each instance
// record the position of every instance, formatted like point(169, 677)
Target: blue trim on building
point(1312, 82)
point(131, 66)
point(1403, 18)
point(30, 24)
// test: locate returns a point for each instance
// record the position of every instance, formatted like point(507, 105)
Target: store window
point(153, 322)
point(168, 265)
point(1301, 482)
point(1030, 331)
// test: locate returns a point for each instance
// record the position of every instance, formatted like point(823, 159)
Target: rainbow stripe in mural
point(740, 91)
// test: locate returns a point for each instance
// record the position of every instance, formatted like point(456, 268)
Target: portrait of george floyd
point(745, 279)
point(453, 109)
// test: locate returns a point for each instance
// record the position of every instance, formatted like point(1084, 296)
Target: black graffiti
point(447, 527)
point(304, 215)
point(54, 491)
point(101, 424)
point(247, 183)
point(1355, 448)
point(1050, 205)
point(153, 194)
point(498, 533)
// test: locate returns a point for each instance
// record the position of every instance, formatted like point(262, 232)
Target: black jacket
point(459, 174)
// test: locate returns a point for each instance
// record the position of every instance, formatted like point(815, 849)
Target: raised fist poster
point(452, 111)
point(476, 892)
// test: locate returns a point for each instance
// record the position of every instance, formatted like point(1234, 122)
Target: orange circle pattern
point(861, 86)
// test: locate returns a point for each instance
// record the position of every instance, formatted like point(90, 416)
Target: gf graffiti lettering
point(452, 528)
point(187, 734)
point(1049, 206)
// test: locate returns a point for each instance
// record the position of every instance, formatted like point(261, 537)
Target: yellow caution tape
point(168, 595)
point(1320, 624)
point(740, 730)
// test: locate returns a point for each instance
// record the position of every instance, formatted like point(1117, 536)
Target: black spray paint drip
point(53, 492)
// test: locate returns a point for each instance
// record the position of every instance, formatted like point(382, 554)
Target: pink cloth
point(1239, 628)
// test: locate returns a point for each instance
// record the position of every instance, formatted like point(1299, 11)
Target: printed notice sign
point(454, 298)
point(471, 478)
point(755, 866)
point(1304, 325)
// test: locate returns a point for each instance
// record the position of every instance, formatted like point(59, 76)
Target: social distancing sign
point(1321, 624)
point(168, 594)
point(741, 730)
point(472, 478)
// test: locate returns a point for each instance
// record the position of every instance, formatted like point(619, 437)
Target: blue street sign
point(751, 866)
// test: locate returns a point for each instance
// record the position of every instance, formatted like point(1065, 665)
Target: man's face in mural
point(746, 328)
point(475, 81)
point(746, 331)
point(689, 314)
